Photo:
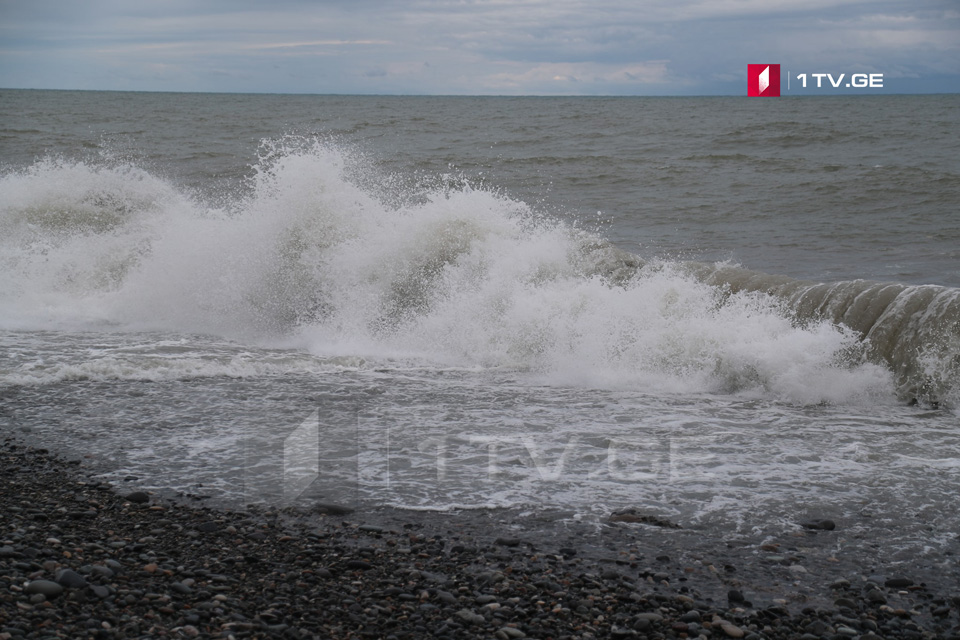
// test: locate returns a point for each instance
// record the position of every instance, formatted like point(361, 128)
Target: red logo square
point(763, 80)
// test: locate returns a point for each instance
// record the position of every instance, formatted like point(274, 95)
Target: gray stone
point(181, 588)
point(469, 616)
point(819, 628)
point(876, 596)
point(70, 579)
point(690, 616)
point(332, 509)
point(99, 591)
point(650, 617)
point(898, 583)
point(102, 571)
point(507, 542)
point(46, 587)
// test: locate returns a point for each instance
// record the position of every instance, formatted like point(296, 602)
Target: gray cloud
point(489, 46)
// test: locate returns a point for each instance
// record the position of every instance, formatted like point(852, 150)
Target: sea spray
point(463, 277)
point(912, 329)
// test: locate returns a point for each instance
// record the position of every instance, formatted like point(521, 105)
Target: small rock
point(70, 579)
point(729, 628)
point(46, 587)
point(99, 591)
point(735, 596)
point(822, 525)
point(469, 616)
point(180, 588)
point(690, 616)
point(102, 571)
point(369, 528)
point(649, 617)
point(898, 583)
point(819, 628)
point(876, 596)
point(138, 497)
point(332, 509)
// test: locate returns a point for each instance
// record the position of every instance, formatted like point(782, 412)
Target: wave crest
point(320, 251)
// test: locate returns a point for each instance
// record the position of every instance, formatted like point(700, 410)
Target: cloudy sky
point(571, 47)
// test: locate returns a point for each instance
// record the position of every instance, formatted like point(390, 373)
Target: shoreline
point(80, 557)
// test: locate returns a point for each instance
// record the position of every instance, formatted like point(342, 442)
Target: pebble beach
point(82, 558)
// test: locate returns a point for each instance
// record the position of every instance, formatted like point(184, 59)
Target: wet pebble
point(45, 587)
point(70, 579)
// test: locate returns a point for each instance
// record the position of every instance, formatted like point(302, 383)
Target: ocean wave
point(320, 251)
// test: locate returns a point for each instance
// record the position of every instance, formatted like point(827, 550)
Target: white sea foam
point(456, 277)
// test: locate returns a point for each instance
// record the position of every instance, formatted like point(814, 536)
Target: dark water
point(444, 303)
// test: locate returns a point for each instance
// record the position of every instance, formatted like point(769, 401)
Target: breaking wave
point(320, 254)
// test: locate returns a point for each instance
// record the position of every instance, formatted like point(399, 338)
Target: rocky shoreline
point(80, 558)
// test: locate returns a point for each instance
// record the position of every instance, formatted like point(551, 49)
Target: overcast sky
point(570, 47)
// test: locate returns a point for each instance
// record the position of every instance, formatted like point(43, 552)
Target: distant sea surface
point(732, 313)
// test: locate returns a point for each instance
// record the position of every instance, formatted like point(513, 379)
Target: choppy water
point(734, 313)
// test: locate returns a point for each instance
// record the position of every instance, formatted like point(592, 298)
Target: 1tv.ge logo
point(763, 80)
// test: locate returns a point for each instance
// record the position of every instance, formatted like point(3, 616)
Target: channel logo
point(763, 80)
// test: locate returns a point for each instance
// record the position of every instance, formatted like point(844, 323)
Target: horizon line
point(486, 95)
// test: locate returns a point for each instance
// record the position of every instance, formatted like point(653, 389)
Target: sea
point(735, 314)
